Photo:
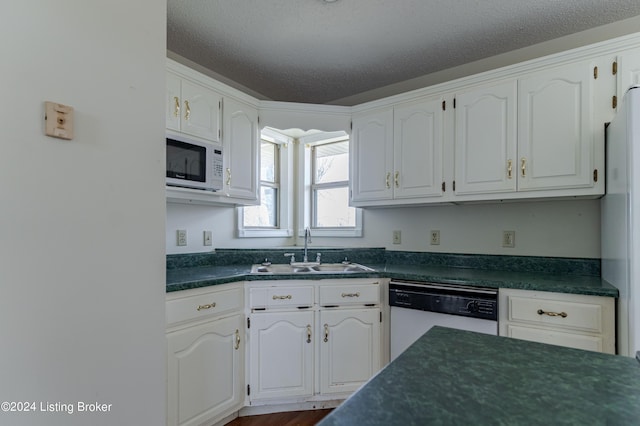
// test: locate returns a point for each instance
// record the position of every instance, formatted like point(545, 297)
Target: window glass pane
point(266, 214)
point(332, 162)
point(268, 164)
point(332, 208)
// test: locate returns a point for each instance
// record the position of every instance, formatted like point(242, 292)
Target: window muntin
point(266, 215)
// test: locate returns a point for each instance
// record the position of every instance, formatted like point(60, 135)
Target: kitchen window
point(326, 190)
point(271, 218)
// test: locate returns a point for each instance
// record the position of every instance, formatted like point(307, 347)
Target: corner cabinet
point(312, 340)
point(240, 148)
point(397, 154)
point(205, 354)
point(571, 320)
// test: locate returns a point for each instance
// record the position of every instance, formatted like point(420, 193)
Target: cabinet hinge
point(219, 133)
point(614, 68)
point(454, 186)
point(444, 105)
point(248, 390)
point(444, 186)
point(380, 316)
point(614, 102)
point(595, 175)
point(351, 125)
point(248, 322)
point(454, 103)
point(258, 119)
point(595, 73)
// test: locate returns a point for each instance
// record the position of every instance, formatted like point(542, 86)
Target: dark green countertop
point(203, 276)
point(454, 377)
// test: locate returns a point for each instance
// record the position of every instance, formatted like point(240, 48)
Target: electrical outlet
point(434, 237)
point(182, 237)
point(397, 237)
point(207, 241)
point(509, 239)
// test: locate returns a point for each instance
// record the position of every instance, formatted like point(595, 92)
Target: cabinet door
point(485, 140)
point(555, 136)
point(350, 349)
point(628, 71)
point(417, 149)
point(173, 102)
point(205, 371)
point(240, 150)
point(201, 108)
point(371, 155)
point(281, 355)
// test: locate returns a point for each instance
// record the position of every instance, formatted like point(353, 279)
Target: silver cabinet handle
point(326, 333)
point(237, 339)
point(351, 294)
point(308, 333)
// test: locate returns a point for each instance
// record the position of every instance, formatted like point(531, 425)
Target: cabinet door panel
point(555, 137)
point(240, 150)
point(200, 111)
point(418, 150)
point(205, 365)
point(349, 348)
point(554, 337)
point(371, 155)
point(628, 71)
point(281, 355)
point(485, 140)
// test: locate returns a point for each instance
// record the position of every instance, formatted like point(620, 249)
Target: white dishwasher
point(418, 306)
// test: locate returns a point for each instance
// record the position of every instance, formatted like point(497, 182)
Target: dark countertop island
point(453, 377)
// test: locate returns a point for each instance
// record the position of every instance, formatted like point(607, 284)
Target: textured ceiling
point(318, 52)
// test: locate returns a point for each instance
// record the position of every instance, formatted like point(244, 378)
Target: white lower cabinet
point(571, 320)
point(349, 348)
point(205, 355)
point(312, 340)
point(281, 357)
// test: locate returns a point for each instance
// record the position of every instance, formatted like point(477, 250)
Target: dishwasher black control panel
point(446, 299)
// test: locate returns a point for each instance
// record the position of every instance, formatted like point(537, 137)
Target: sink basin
point(327, 268)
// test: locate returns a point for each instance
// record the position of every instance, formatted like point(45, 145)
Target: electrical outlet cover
point(509, 239)
point(434, 237)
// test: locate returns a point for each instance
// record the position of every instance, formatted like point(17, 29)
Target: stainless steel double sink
point(309, 268)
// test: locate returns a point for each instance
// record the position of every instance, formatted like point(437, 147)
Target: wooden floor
point(292, 418)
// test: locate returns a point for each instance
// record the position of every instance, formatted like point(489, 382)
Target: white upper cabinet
point(371, 156)
point(555, 128)
point(240, 147)
point(417, 149)
point(485, 139)
point(192, 108)
point(628, 71)
point(397, 154)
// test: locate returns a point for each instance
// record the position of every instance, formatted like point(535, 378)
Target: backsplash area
point(378, 257)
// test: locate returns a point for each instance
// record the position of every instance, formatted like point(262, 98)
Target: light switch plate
point(58, 120)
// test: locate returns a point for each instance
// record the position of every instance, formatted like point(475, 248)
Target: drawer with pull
point(204, 304)
point(281, 296)
point(575, 312)
point(351, 294)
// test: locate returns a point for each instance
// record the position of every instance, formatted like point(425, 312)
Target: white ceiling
point(319, 52)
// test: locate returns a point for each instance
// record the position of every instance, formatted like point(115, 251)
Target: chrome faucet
point(307, 240)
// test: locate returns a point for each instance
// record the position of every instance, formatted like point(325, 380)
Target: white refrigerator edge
point(620, 214)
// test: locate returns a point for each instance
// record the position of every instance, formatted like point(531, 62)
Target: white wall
point(81, 248)
point(551, 228)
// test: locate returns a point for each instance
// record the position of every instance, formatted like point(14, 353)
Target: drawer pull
point(237, 346)
point(552, 314)
point(204, 307)
point(351, 294)
point(288, 296)
point(309, 333)
point(326, 333)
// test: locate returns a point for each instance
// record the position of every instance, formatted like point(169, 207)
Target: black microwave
point(194, 164)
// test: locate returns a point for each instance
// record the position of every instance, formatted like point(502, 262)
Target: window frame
point(284, 213)
point(306, 204)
